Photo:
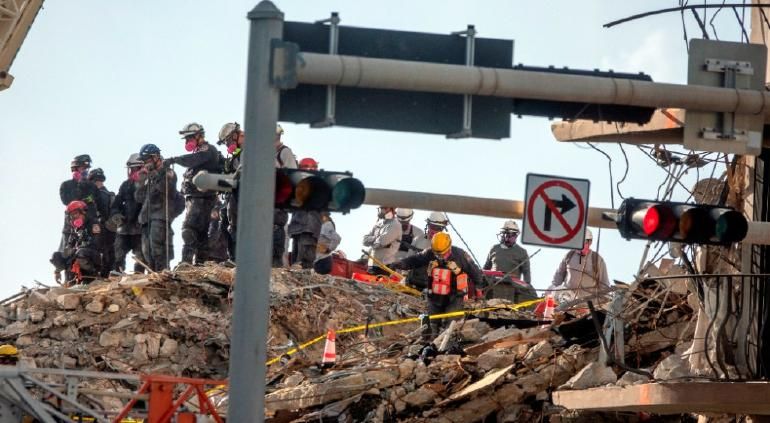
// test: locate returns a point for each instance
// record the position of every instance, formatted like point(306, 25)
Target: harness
point(441, 278)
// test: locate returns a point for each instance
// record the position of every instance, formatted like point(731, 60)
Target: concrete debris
point(631, 378)
point(592, 375)
point(672, 367)
point(492, 366)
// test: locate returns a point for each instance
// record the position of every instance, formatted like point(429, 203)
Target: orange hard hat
point(76, 205)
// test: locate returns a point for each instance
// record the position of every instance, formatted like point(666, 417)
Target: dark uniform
point(105, 239)
point(198, 204)
point(304, 229)
point(83, 190)
point(229, 213)
point(444, 295)
point(79, 256)
point(217, 237)
point(125, 210)
point(156, 191)
point(505, 259)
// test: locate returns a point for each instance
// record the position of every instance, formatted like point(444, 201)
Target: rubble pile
point(487, 366)
point(500, 365)
point(178, 322)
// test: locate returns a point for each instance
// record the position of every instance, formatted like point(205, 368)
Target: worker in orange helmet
point(452, 273)
point(305, 228)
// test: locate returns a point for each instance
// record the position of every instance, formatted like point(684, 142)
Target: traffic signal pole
point(362, 72)
point(758, 232)
point(251, 303)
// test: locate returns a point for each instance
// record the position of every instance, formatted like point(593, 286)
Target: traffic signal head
point(317, 190)
point(680, 222)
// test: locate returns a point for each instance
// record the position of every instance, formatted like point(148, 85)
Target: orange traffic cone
point(330, 349)
point(549, 306)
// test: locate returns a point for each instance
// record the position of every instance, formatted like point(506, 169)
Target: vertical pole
point(251, 305)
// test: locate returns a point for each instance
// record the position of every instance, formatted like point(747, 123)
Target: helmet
point(8, 350)
point(510, 226)
point(227, 130)
point(81, 160)
point(96, 175)
point(147, 151)
point(191, 129)
point(134, 160)
point(441, 243)
point(589, 235)
point(404, 215)
point(308, 163)
point(437, 218)
point(278, 130)
point(76, 205)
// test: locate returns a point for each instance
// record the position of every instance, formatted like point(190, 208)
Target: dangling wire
point(467, 247)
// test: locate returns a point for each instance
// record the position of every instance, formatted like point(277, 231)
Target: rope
point(467, 247)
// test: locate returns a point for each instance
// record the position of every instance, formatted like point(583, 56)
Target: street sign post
point(555, 211)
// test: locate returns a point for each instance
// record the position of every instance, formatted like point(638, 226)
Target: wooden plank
point(672, 398)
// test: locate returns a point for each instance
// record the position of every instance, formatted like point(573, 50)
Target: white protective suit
point(384, 239)
point(580, 276)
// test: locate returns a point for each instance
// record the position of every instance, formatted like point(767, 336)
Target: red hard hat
point(308, 164)
point(76, 205)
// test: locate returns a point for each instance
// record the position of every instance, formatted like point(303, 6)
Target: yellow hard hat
point(8, 350)
point(441, 243)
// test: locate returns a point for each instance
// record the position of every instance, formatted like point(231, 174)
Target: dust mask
point(78, 223)
point(191, 145)
point(586, 249)
point(231, 148)
point(79, 175)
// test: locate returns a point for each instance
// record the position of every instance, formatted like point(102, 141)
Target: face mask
point(510, 239)
point(190, 145)
point(586, 249)
point(388, 215)
point(78, 222)
point(133, 175)
point(231, 148)
point(79, 175)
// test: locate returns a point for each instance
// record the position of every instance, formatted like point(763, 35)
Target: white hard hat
point(510, 225)
point(191, 129)
point(437, 218)
point(404, 214)
point(134, 160)
point(227, 130)
point(278, 130)
point(589, 235)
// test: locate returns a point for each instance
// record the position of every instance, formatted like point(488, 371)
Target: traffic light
point(297, 189)
point(318, 190)
point(680, 222)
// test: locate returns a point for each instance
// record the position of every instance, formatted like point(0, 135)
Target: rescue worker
point(9, 355)
point(198, 204)
point(105, 238)
point(582, 273)
point(435, 223)
point(383, 239)
point(156, 191)
point(78, 188)
point(452, 273)
point(305, 228)
point(409, 233)
point(284, 159)
point(80, 258)
point(328, 241)
point(513, 261)
point(125, 218)
point(217, 236)
point(232, 137)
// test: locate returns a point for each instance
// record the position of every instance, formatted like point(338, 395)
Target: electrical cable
point(449, 221)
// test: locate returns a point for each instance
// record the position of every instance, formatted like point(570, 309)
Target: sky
point(104, 78)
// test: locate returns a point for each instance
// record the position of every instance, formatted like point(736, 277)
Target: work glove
point(114, 222)
point(57, 276)
point(397, 265)
point(96, 229)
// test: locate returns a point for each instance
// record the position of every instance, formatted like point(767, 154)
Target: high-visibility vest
point(441, 281)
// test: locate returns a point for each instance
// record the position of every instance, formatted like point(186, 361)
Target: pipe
point(758, 233)
point(354, 71)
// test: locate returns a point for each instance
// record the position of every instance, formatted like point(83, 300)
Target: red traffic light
point(680, 222)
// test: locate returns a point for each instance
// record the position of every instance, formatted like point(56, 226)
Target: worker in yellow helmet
point(452, 274)
point(9, 355)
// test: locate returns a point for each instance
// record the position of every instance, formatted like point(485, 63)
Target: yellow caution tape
point(360, 328)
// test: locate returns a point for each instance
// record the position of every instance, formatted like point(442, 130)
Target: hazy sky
point(105, 77)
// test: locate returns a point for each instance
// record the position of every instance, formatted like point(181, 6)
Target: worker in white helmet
point(581, 274)
point(284, 159)
point(409, 233)
point(383, 239)
point(513, 261)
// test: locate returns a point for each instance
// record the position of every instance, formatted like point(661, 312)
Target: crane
point(16, 17)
